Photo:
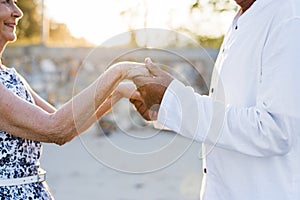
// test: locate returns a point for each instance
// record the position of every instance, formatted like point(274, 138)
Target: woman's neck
point(2, 47)
point(0, 58)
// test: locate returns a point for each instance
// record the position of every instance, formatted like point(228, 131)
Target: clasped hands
point(150, 89)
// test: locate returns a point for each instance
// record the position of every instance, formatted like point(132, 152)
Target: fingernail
point(148, 60)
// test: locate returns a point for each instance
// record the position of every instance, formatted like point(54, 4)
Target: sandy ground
point(141, 164)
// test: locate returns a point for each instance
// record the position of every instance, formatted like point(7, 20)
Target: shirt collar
point(256, 7)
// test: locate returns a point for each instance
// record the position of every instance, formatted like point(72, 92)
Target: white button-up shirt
point(250, 122)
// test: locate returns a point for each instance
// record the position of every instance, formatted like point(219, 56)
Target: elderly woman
point(26, 119)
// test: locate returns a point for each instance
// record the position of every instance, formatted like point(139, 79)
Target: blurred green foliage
point(60, 35)
point(218, 6)
point(29, 31)
point(210, 42)
point(29, 26)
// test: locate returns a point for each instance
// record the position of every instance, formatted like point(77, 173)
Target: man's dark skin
point(152, 89)
point(244, 4)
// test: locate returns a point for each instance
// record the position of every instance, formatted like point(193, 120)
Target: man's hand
point(152, 90)
point(141, 107)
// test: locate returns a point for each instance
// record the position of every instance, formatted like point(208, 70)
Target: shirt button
point(204, 170)
point(212, 90)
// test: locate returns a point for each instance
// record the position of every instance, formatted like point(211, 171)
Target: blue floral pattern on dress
point(19, 157)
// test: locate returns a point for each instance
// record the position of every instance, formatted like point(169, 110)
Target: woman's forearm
point(85, 108)
point(124, 90)
point(103, 109)
point(29, 121)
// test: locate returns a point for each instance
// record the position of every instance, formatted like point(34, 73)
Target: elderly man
point(250, 122)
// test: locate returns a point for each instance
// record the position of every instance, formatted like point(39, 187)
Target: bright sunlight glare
point(100, 20)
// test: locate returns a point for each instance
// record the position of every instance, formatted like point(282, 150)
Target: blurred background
point(63, 46)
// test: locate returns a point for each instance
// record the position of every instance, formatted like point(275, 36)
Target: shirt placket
point(216, 82)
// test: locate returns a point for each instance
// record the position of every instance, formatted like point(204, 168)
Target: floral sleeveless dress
point(19, 157)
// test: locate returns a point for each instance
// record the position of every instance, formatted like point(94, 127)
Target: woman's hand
point(127, 90)
point(130, 70)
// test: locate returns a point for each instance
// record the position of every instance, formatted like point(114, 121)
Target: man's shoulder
point(281, 12)
point(290, 8)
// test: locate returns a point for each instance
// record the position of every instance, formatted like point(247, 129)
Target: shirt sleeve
point(265, 129)
point(185, 112)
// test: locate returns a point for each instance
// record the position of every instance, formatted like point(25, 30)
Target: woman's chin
point(12, 37)
point(12, 40)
